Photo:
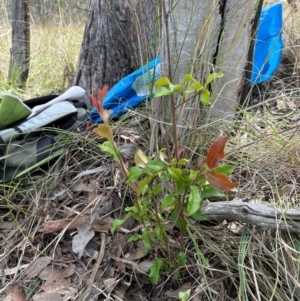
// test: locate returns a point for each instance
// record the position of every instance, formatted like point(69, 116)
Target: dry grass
point(54, 54)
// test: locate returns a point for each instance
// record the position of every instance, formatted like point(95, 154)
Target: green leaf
point(164, 176)
point(175, 173)
point(199, 216)
point(176, 274)
point(196, 86)
point(188, 78)
point(194, 200)
point(160, 233)
point(147, 236)
point(107, 147)
point(212, 77)
point(116, 223)
point(143, 185)
point(162, 91)
point(155, 270)
point(134, 173)
point(156, 165)
point(133, 209)
point(205, 97)
point(179, 222)
point(156, 189)
point(193, 174)
point(164, 81)
point(180, 186)
point(134, 237)
point(181, 258)
point(189, 91)
point(183, 161)
point(210, 192)
point(184, 296)
point(176, 88)
point(167, 201)
point(226, 170)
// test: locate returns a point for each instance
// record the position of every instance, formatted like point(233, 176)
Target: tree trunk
point(20, 52)
point(110, 44)
point(201, 37)
point(198, 37)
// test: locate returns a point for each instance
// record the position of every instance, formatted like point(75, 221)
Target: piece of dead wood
point(97, 225)
point(254, 214)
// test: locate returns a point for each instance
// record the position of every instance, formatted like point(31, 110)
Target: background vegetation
point(56, 34)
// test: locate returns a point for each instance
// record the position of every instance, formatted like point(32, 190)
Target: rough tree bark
point(20, 51)
point(110, 44)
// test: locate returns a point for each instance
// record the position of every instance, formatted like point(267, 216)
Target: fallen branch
point(255, 214)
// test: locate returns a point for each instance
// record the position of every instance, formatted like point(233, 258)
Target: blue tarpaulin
point(128, 93)
point(268, 45)
point(133, 89)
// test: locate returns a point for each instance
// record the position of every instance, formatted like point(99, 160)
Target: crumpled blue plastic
point(268, 44)
point(129, 92)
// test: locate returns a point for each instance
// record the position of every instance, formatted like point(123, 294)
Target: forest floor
point(55, 237)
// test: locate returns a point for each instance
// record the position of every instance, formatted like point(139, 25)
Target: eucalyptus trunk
point(20, 51)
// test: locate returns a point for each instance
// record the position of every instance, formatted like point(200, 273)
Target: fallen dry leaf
point(47, 297)
point(137, 251)
point(57, 272)
point(98, 225)
point(37, 266)
point(109, 284)
point(65, 294)
point(14, 293)
point(54, 285)
point(81, 239)
point(117, 245)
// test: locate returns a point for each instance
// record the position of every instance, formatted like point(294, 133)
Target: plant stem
point(187, 99)
point(173, 107)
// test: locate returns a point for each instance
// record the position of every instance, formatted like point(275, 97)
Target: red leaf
point(102, 93)
point(181, 151)
point(98, 103)
point(95, 103)
point(216, 152)
point(219, 181)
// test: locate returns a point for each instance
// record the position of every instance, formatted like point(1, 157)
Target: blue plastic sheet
point(268, 45)
point(128, 93)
